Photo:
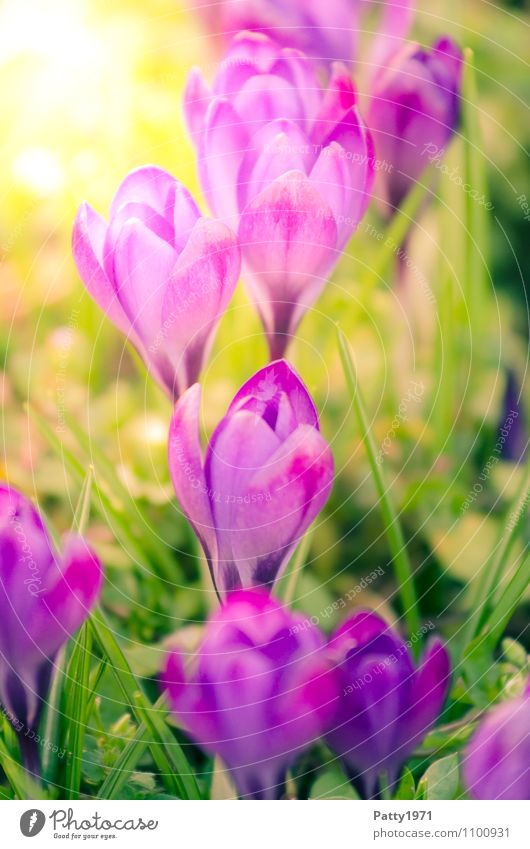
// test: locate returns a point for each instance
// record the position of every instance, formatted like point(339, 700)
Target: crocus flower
point(497, 761)
point(266, 475)
point(386, 705)
point(259, 690)
point(413, 112)
point(286, 163)
point(44, 598)
point(163, 274)
point(329, 31)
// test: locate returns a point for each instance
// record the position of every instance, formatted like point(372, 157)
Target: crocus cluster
point(259, 690)
point(386, 704)
point(497, 761)
point(287, 163)
point(160, 271)
point(263, 686)
point(329, 31)
point(44, 598)
point(414, 111)
point(266, 474)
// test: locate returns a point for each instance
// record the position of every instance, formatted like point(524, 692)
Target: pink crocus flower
point(161, 272)
point(287, 163)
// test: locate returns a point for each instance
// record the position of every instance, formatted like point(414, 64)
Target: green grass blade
point(394, 532)
point(127, 761)
point(286, 586)
point(51, 729)
point(159, 554)
point(76, 712)
point(476, 222)
point(510, 598)
point(165, 749)
point(22, 784)
point(481, 598)
point(102, 503)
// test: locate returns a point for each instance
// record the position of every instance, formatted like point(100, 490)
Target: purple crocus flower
point(414, 111)
point(163, 274)
point(286, 163)
point(44, 598)
point(328, 31)
point(258, 692)
point(267, 473)
point(497, 761)
point(386, 705)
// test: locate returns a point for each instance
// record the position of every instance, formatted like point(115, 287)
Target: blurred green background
point(90, 90)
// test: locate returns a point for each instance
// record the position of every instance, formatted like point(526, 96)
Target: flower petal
point(186, 470)
point(288, 237)
point(221, 150)
point(280, 502)
point(272, 381)
point(238, 447)
point(150, 185)
point(88, 239)
point(430, 689)
point(142, 265)
point(196, 97)
point(73, 595)
point(196, 295)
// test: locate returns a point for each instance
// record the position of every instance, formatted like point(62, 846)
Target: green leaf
point(332, 784)
point(484, 590)
point(394, 532)
point(76, 709)
point(406, 788)
point(507, 603)
point(51, 727)
point(165, 749)
point(127, 761)
point(514, 653)
point(286, 586)
point(159, 555)
point(479, 672)
point(476, 223)
point(22, 783)
point(441, 780)
point(117, 523)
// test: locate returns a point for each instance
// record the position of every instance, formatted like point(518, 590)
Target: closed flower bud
point(266, 475)
point(163, 274)
point(258, 692)
point(386, 705)
point(287, 163)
